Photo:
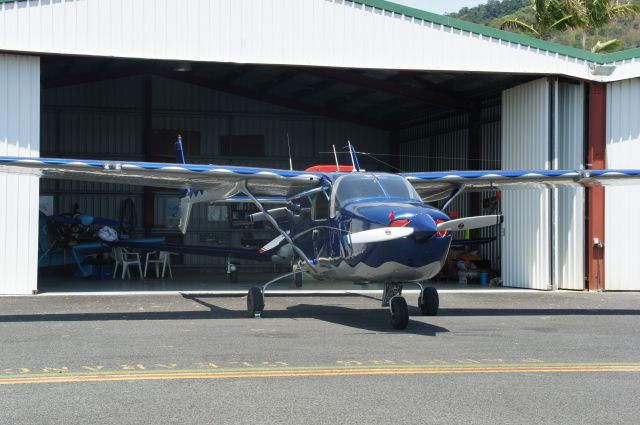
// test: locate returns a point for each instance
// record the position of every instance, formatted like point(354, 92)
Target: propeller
point(470, 223)
point(382, 234)
point(274, 243)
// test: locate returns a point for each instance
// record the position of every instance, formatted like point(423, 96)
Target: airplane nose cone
point(424, 225)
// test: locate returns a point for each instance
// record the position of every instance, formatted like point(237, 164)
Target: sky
point(440, 6)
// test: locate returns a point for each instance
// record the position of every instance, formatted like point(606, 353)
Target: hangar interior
point(122, 109)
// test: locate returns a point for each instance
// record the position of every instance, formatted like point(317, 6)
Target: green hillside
point(493, 13)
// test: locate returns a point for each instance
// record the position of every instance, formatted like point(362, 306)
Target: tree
point(550, 15)
point(590, 15)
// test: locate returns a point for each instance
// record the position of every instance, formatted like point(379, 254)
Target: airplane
point(341, 222)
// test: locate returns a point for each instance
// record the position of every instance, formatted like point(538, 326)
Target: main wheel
point(399, 313)
point(255, 302)
point(429, 301)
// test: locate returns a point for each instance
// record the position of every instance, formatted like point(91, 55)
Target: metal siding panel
point(525, 137)
point(622, 203)
point(19, 136)
point(571, 209)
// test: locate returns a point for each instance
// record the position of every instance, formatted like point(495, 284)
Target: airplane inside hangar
point(114, 109)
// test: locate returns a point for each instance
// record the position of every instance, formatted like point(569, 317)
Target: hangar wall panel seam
point(293, 32)
point(19, 136)
point(525, 145)
point(622, 204)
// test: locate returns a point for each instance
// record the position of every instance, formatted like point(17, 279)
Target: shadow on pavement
point(368, 319)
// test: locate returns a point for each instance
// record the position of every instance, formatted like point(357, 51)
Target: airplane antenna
point(335, 154)
point(353, 161)
point(289, 146)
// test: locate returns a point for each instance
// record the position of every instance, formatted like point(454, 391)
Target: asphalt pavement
point(487, 358)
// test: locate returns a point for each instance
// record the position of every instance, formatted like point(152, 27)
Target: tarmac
point(490, 356)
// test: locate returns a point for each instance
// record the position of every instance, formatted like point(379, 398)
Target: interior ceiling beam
point(237, 73)
point(437, 88)
point(314, 89)
point(93, 77)
point(276, 81)
point(274, 99)
point(432, 96)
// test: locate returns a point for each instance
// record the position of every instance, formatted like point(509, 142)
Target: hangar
point(116, 79)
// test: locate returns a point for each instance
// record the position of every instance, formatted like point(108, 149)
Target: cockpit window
point(397, 187)
point(353, 186)
point(358, 186)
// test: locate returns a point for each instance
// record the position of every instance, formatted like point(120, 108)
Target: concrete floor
point(201, 280)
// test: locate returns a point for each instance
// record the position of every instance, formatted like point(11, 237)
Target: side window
point(320, 210)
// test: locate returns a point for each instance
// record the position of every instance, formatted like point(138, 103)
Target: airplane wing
point(433, 186)
point(224, 180)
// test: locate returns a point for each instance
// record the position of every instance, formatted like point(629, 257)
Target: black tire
point(255, 301)
point(297, 278)
point(429, 301)
point(399, 313)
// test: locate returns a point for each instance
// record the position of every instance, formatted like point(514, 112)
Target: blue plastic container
point(484, 278)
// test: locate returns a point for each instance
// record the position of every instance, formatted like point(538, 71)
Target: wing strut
point(275, 225)
point(453, 196)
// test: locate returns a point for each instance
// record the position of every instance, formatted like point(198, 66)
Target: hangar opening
point(122, 109)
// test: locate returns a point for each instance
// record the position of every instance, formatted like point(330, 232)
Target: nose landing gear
point(392, 297)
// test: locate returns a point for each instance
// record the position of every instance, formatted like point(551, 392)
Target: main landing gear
point(255, 297)
point(392, 297)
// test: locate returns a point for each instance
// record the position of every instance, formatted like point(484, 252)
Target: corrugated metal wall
point(622, 203)
point(337, 33)
point(105, 120)
point(570, 204)
point(442, 145)
point(525, 145)
point(19, 136)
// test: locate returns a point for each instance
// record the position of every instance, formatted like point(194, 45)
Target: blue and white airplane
point(341, 223)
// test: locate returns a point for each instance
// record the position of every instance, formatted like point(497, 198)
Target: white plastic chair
point(125, 259)
point(163, 257)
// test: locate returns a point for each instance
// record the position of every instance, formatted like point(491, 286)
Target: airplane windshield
point(373, 185)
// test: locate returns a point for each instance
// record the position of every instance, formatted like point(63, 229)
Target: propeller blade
point(274, 243)
point(378, 235)
point(470, 223)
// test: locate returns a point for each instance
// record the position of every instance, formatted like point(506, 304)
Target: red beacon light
point(331, 169)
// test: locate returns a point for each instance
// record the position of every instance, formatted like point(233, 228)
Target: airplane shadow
point(367, 319)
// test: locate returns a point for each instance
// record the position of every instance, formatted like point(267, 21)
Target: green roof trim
point(491, 32)
point(502, 35)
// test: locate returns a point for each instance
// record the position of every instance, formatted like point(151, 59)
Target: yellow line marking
point(301, 372)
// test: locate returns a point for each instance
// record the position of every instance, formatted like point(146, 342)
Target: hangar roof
point(504, 35)
point(365, 34)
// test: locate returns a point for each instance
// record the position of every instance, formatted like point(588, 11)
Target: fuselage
point(360, 202)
